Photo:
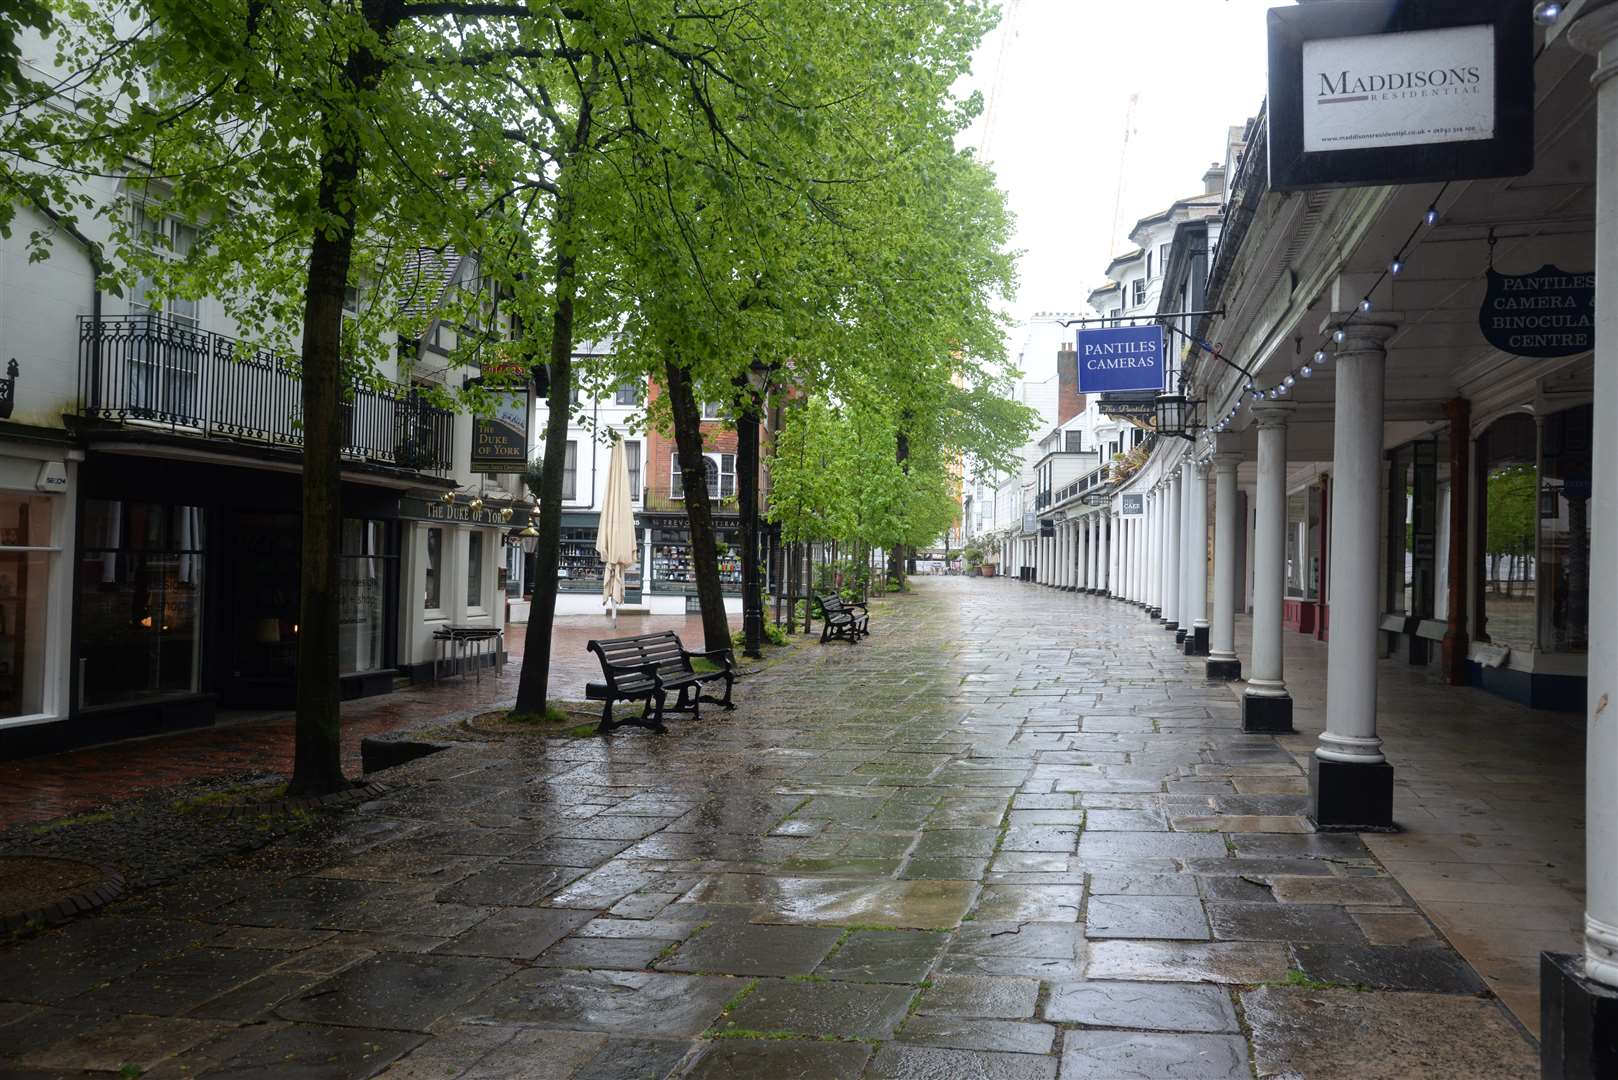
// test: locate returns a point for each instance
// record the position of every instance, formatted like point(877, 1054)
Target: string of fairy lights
point(1249, 391)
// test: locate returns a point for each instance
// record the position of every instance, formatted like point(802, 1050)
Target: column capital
point(1228, 460)
point(1201, 469)
point(1597, 34)
point(1269, 415)
point(1366, 337)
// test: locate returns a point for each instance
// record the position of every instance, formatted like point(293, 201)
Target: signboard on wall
point(1545, 314)
point(1132, 505)
point(500, 440)
point(1114, 358)
point(1365, 93)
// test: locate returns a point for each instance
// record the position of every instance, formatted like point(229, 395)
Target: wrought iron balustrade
point(149, 370)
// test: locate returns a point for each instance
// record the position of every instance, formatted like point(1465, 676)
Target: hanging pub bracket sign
point(1542, 315)
point(1370, 92)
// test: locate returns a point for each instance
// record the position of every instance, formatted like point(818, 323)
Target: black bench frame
point(649, 667)
point(844, 620)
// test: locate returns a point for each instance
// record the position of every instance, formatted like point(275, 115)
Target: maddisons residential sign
point(1544, 314)
point(1367, 92)
point(1120, 358)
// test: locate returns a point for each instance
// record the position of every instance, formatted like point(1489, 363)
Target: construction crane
point(1008, 31)
point(1123, 173)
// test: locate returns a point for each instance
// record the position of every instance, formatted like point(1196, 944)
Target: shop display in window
point(672, 568)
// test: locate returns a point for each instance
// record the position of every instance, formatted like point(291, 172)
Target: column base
point(1267, 714)
point(1179, 635)
point(1154, 613)
point(1196, 641)
point(1224, 670)
point(1350, 798)
point(1578, 1021)
point(1169, 624)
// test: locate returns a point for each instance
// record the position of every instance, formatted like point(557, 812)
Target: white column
point(1104, 563)
point(1185, 548)
point(1125, 575)
point(1098, 537)
point(1222, 660)
point(1069, 568)
point(1171, 552)
point(1265, 680)
point(1598, 33)
point(1356, 552)
point(1196, 558)
point(1154, 550)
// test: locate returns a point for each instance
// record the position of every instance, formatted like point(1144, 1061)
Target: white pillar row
point(1266, 705)
point(1171, 552)
point(1222, 661)
point(1350, 782)
point(1598, 34)
point(1196, 561)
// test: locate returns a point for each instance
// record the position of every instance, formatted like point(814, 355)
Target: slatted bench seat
point(649, 668)
point(844, 620)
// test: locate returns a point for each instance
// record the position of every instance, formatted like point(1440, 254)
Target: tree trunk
point(533, 684)
point(698, 509)
point(747, 451)
point(317, 754)
point(808, 587)
point(896, 555)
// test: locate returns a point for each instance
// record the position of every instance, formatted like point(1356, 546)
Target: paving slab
point(1389, 967)
point(966, 1033)
point(985, 996)
point(902, 1061)
point(744, 949)
point(794, 1059)
point(830, 1009)
point(1144, 1055)
point(402, 992)
point(1299, 1032)
point(896, 956)
point(517, 933)
point(1142, 1005)
point(1173, 918)
point(638, 1003)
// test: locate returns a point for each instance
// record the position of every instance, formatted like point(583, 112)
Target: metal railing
point(155, 371)
point(1096, 478)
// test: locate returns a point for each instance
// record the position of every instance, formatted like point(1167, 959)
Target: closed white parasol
point(615, 541)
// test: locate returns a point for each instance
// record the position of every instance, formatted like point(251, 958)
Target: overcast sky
point(1059, 74)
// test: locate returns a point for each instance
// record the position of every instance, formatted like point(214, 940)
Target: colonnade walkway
point(1007, 836)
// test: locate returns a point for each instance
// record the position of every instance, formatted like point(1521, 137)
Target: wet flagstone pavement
point(1005, 837)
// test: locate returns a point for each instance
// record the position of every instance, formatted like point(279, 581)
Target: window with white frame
point(163, 363)
point(713, 410)
point(1139, 288)
point(721, 469)
point(570, 471)
point(632, 457)
point(627, 393)
point(28, 556)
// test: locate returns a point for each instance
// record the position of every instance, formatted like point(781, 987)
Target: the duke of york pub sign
point(1544, 314)
point(1120, 358)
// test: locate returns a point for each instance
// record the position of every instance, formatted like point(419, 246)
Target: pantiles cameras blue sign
point(1113, 358)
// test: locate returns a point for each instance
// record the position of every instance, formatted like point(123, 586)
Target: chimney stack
point(1069, 402)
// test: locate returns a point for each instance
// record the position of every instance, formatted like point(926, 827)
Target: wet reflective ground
point(1007, 836)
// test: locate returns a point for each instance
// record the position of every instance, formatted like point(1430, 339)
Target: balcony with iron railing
point(1094, 480)
point(155, 372)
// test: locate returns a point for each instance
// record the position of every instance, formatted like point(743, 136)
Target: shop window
point(435, 570)
point(673, 569)
point(474, 570)
point(632, 457)
point(367, 562)
point(1507, 598)
point(1413, 527)
point(27, 559)
point(570, 471)
point(1303, 543)
point(1564, 531)
point(139, 601)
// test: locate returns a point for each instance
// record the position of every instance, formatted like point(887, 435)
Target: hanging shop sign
point(1545, 314)
point(500, 440)
point(415, 508)
point(1030, 523)
point(1364, 92)
point(1136, 408)
point(1133, 505)
point(1047, 528)
point(1120, 358)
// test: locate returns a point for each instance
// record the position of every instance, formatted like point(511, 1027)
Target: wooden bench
point(844, 620)
point(650, 667)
